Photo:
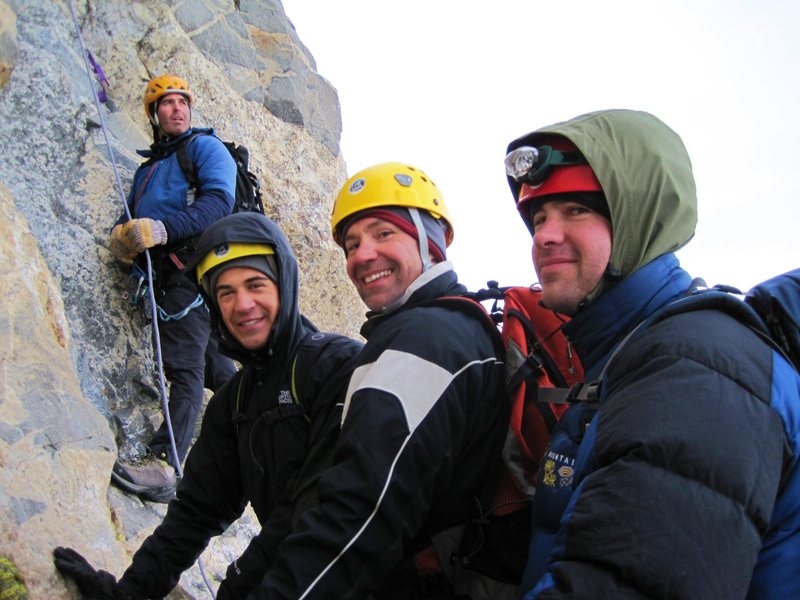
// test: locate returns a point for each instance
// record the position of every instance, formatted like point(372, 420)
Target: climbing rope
point(151, 294)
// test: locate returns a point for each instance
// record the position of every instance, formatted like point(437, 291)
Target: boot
point(146, 477)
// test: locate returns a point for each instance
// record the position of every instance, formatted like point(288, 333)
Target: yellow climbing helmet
point(223, 253)
point(389, 184)
point(161, 86)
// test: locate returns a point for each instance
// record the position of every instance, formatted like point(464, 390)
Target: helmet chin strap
point(424, 254)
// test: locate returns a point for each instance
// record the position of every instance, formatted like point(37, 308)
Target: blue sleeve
point(214, 199)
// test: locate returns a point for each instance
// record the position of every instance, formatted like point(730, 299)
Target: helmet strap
point(422, 236)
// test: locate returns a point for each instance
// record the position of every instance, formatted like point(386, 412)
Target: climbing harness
point(87, 57)
point(140, 290)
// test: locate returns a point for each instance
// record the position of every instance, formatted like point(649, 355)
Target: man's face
point(571, 250)
point(174, 114)
point(382, 261)
point(249, 303)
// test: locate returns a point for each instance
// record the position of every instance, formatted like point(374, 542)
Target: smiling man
point(424, 417)
point(248, 301)
point(675, 477)
point(167, 217)
point(257, 431)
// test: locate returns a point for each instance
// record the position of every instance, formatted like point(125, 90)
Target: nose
point(364, 252)
point(243, 301)
point(549, 231)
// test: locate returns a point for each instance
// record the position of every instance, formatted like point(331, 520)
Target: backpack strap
point(470, 305)
point(777, 301)
point(721, 298)
point(305, 361)
point(186, 164)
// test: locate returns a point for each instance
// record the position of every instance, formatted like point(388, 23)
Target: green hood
point(647, 179)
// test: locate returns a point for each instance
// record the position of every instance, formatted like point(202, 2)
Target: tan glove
point(119, 246)
point(145, 233)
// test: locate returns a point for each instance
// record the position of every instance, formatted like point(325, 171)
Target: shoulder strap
point(698, 299)
point(305, 359)
point(470, 305)
point(187, 165)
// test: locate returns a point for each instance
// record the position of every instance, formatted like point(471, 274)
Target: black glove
point(236, 585)
point(94, 585)
point(225, 593)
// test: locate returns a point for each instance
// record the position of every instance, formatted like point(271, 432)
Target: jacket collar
point(597, 329)
point(161, 149)
point(440, 280)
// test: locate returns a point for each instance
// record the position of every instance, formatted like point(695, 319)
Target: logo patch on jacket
point(284, 397)
point(558, 470)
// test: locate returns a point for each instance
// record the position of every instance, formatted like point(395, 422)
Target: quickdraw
point(105, 87)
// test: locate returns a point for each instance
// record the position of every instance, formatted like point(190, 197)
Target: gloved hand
point(236, 585)
point(119, 246)
point(226, 593)
point(94, 585)
point(145, 233)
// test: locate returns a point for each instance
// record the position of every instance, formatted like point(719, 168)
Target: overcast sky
point(445, 85)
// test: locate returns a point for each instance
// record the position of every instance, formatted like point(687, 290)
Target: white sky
point(445, 85)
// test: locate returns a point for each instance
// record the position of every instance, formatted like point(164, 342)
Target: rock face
point(76, 355)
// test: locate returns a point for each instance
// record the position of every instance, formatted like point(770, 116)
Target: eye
point(577, 209)
point(223, 293)
point(350, 247)
point(537, 219)
point(383, 234)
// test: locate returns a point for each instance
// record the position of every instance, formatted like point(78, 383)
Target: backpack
point(771, 309)
point(777, 302)
point(486, 557)
point(538, 359)
point(248, 190)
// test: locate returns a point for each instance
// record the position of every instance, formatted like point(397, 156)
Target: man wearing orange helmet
point(167, 216)
point(424, 415)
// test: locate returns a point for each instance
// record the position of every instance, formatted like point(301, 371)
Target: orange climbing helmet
point(161, 86)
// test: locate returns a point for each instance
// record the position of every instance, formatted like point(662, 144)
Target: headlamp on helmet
point(529, 164)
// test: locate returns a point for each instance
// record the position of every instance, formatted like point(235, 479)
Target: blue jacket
point(681, 480)
point(160, 190)
point(684, 482)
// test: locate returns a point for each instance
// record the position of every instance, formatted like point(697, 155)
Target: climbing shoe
point(147, 477)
